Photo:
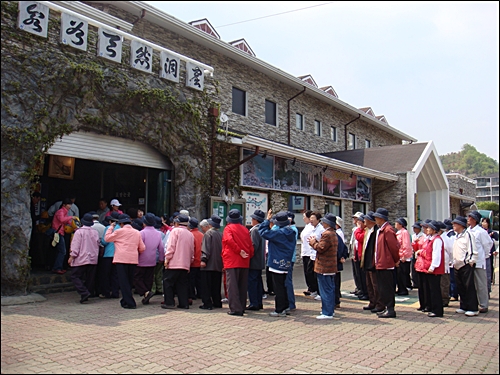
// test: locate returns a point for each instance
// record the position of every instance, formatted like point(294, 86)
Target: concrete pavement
point(60, 335)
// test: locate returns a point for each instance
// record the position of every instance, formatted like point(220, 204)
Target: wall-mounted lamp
point(264, 155)
point(294, 161)
point(325, 168)
point(352, 174)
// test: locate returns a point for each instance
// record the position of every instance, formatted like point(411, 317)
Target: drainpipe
point(345, 129)
point(256, 152)
point(288, 111)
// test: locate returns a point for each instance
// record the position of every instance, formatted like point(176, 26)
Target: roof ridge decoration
point(329, 90)
point(205, 26)
point(243, 45)
point(308, 79)
point(368, 111)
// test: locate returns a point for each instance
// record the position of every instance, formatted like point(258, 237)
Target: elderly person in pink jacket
point(179, 254)
point(405, 255)
point(83, 256)
point(128, 245)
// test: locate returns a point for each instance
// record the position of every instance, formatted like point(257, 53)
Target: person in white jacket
point(464, 263)
point(483, 244)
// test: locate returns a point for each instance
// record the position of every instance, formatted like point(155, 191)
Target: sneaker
point(320, 317)
point(306, 293)
point(313, 294)
point(287, 311)
point(460, 311)
point(275, 314)
point(224, 300)
point(317, 298)
point(471, 313)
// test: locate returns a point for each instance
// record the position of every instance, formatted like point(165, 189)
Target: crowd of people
point(181, 258)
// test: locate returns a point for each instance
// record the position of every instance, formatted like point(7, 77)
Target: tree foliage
point(469, 162)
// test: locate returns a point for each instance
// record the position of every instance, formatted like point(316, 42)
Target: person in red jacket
point(433, 267)
point(237, 249)
point(386, 259)
point(194, 271)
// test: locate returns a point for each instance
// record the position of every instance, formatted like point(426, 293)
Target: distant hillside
point(469, 162)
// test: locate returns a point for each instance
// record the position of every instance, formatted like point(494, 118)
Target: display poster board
point(254, 201)
point(221, 208)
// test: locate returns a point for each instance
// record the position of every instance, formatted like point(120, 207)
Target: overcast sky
point(432, 68)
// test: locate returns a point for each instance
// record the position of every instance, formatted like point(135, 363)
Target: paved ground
point(60, 335)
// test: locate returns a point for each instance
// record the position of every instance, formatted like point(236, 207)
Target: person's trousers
point(423, 296)
point(83, 278)
point(326, 284)
point(108, 278)
point(211, 282)
point(281, 300)
point(61, 252)
point(289, 288)
point(158, 278)
point(356, 274)
point(453, 285)
point(255, 287)
point(143, 279)
point(176, 281)
point(194, 283)
point(480, 280)
point(362, 279)
point(433, 289)
point(414, 274)
point(309, 274)
point(445, 289)
point(237, 286)
point(338, 295)
point(126, 273)
point(269, 281)
point(466, 288)
point(371, 285)
point(385, 284)
point(489, 269)
point(403, 273)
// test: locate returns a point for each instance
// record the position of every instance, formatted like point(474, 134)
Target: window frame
point(353, 141)
point(368, 143)
point(297, 114)
point(333, 133)
point(275, 112)
point(245, 101)
point(317, 128)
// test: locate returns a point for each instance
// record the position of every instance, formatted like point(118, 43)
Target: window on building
point(333, 207)
point(299, 121)
point(351, 142)
point(317, 128)
point(333, 133)
point(271, 117)
point(358, 207)
point(239, 101)
point(368, 143)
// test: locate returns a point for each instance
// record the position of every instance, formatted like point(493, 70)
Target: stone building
point(249, 136)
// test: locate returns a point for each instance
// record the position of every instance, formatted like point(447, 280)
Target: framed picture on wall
point(61, 167)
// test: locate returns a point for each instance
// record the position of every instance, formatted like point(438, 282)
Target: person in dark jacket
point(368, 263)
point(211, 265)
point(281, 247)
point(257, 263)
point(386, 260)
